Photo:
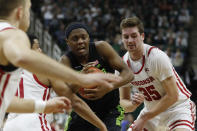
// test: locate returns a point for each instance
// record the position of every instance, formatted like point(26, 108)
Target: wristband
point(39, 106)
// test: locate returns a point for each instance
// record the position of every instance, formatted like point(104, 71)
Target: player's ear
point(66, 41)
point(142, 36)
point(19, 12)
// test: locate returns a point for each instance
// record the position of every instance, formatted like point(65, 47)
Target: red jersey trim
point(4, 88)
point(7, 28)
point(143, 63)
point(21, 87)
point(36, 79)
point(150, 50)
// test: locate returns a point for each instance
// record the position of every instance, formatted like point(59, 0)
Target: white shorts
point(181, 116)
point(27, 122)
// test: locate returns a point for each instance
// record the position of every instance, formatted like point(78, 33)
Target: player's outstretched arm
point(17, 51)
point(116, 62)
point(79, 106)
point(55, 105)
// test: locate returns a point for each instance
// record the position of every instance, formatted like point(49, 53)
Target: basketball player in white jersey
point(15, 52)
point(36, 87)
point(167, 100)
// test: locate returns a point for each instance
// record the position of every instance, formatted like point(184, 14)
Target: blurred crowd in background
point(167, 24)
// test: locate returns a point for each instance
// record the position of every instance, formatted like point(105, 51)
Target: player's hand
point(88, 65)
point(99, 79)
point(58, 105)
point(96, 92)
point(137, 99)
point(138, 124)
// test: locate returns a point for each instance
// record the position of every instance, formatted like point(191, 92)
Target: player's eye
point(126, 37)
point(75, 38)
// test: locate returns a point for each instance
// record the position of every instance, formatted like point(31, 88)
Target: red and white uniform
point(149, 71)
point(30, 88)
point(8, 82)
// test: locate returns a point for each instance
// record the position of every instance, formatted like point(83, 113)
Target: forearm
point(82, 109)
point(128, 105)
point(163, 105)
point(127, 76)
point(18, 105)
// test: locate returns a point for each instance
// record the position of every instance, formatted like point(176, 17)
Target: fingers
point(63, 104)
point(90, 94)
point(67, 102)
point(87, 91)
point(91, 97)
point(137, 98)
point(111, 77)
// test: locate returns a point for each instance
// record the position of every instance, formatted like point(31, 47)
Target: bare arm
point(163, 71)
point(116, 62)
point(58, 104)
point(79, 106)
point(17, 51)
point(125, 99)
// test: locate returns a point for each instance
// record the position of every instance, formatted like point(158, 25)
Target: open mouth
point(131, 46)
point(81, 49)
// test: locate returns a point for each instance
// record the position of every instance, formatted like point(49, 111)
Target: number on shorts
point(150, 93)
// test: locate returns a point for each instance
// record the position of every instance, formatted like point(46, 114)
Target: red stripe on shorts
point(42, 126)
point(182, 125)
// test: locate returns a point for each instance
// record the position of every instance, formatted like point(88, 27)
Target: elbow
point(127, 108)
point(124, 108)
point(174, 98)
point(20, 60)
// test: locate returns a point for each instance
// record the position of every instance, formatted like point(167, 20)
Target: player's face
point(36, 45)
point(78, 42)
point(132, 39)
point(25, 20)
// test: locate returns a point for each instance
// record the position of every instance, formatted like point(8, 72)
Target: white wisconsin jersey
point(8, 82)
point(30, 87)
point(153, 68)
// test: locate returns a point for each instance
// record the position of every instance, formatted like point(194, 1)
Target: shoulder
point(14, 35)
point(101, 44)
point(103, 48)
point(157, 54)
point(158, 58)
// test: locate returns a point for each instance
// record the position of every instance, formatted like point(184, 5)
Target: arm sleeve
point(160, 65)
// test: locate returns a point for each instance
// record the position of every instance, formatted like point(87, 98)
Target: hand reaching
point(137, 99)
point(99, 79)
point(58, 105)
point(96, 92)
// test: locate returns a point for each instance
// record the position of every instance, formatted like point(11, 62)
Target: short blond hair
point(7, 6)
point(132, 22)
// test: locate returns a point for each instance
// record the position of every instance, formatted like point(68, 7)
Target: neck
point(83, 59)
point(137, 54)
point(11, 21)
